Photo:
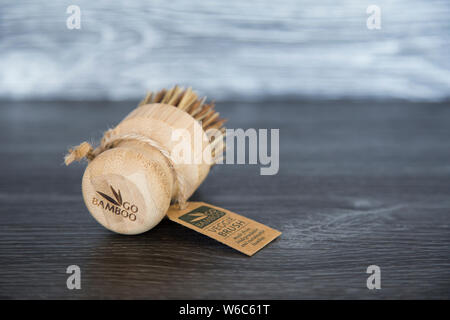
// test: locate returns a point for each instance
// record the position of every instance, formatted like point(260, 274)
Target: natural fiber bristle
point(188, 101)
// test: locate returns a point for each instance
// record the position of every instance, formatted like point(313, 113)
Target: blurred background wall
point(227, 49)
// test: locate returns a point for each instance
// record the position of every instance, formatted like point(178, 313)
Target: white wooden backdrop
point(227, 49)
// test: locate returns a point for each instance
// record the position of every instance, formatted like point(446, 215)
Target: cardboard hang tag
point(236, 231)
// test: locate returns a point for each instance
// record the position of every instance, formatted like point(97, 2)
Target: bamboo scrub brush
point(160, 153)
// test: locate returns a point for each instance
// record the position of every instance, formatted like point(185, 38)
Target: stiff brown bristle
point(188, 101)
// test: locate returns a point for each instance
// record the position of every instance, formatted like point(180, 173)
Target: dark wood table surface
point(360, 183)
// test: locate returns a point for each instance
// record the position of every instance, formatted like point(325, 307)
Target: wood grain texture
point(360, 183)
point(225, 49)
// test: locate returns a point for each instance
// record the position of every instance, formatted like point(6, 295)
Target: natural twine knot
point(83, 150)
point(109, 140)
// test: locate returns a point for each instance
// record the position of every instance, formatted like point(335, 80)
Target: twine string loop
point(110, 139)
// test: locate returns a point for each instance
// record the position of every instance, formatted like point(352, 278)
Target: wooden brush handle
point(128, 189)
point(136, 171)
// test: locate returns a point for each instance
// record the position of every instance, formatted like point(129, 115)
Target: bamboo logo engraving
point(116, 204)
point(117, 195)
point(202, 216)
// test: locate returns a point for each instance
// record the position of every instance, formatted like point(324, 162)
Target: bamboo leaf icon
point(199, 216)
point(117, 195)
point(108, 198)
